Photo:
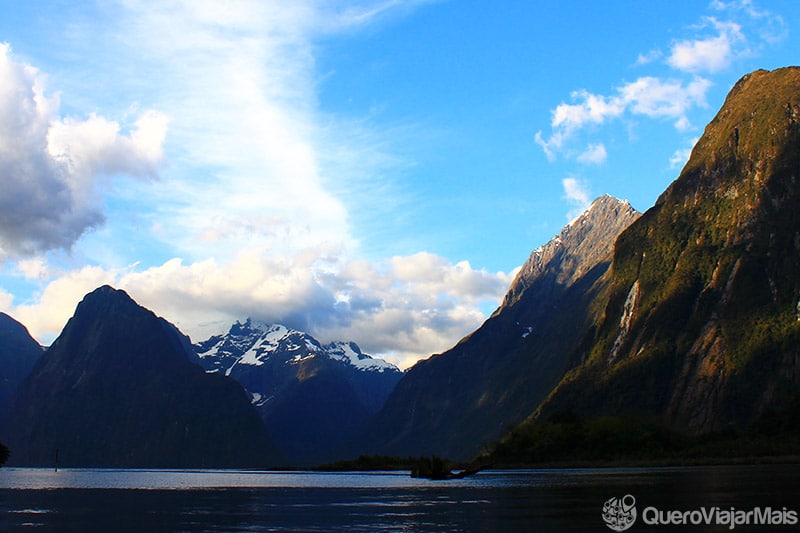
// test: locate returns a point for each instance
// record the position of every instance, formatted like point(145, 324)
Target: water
point(523, 500)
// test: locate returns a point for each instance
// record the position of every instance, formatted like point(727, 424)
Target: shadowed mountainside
point(118, 388)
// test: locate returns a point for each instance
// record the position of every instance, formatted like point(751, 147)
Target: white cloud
point(646, 96)
point(552, 145)
point(6, 299)
point(657, 98)
point(577, 194)
point(404, 308)
point(710, 54)
point(95, 147)
point(34, 268)
point(591, 109)
point(49, 167)
point(595, 154)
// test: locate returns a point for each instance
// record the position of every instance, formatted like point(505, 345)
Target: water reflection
point(199, 500)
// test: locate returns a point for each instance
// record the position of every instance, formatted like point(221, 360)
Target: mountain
point(18, 353)
point(453, 403)
point(119, 388)
point(315, 398)
point(700, 324)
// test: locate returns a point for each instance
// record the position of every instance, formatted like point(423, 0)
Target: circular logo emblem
point(620, 513)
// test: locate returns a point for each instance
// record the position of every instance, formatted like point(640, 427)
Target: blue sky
point(370, 170)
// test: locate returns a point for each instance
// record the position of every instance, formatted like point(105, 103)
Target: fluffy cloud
point(403, 308)
point(33, 268)
point(94, 147)
point(657, 98)
point(710, 54)
point(49, 167)
point(647, 96)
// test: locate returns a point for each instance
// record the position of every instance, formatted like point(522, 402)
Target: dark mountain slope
point(700, 325)
point(18, 353)
point(118, 388)
point(452, 404)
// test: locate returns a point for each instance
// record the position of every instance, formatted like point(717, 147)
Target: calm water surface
point(228, 500)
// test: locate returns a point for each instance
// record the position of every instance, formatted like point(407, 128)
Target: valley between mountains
point(669, 328)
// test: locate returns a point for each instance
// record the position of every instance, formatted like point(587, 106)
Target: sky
point(366, 170)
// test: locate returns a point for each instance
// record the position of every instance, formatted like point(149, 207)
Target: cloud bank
point(401, 308)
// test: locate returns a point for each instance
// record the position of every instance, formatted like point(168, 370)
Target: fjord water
point(231, 500)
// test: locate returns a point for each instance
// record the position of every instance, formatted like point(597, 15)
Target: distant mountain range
point(687, 316)
point(121, 387)
point(314, 398)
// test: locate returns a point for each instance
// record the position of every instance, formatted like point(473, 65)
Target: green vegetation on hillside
point(566, 438)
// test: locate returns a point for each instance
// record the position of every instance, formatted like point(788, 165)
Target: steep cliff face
point(118, 388)
point(453, 403)
point(700, 321)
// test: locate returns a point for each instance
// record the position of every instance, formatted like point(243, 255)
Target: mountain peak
point(117, 388)
point(579, 247)
point(105, 299)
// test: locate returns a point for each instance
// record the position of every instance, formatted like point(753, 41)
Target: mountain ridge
point(453, 403)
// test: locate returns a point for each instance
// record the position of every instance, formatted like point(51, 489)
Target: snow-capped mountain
point(253, 343)
point(314, 397)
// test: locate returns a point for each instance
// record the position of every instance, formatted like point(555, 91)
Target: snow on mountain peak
point(350, 353)
point(252, 342)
